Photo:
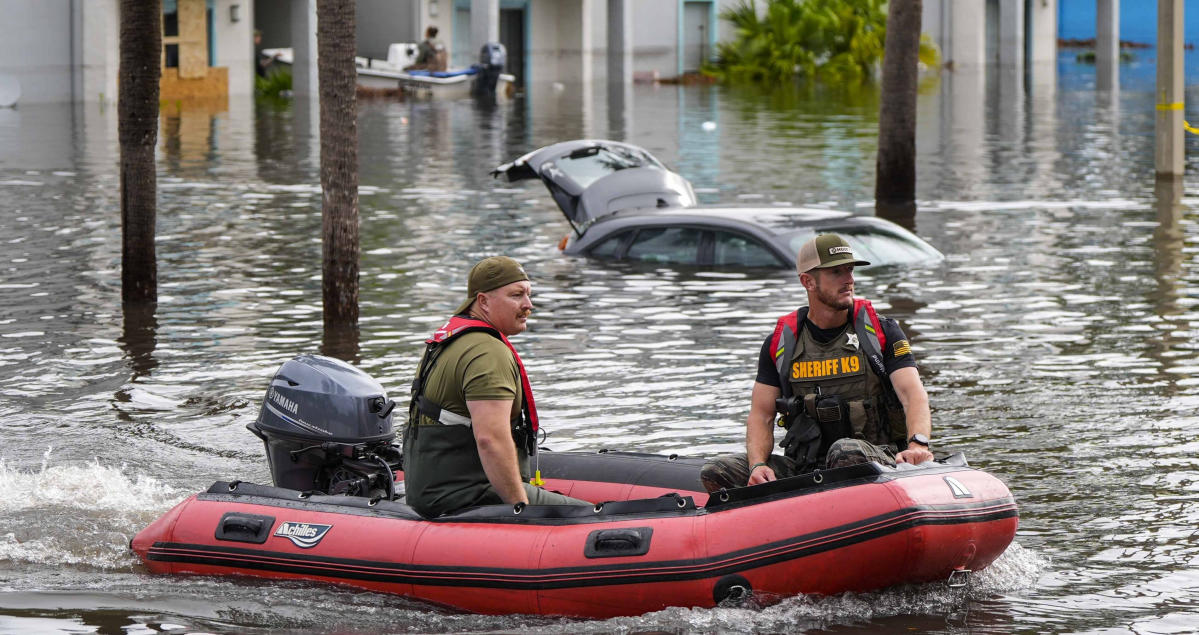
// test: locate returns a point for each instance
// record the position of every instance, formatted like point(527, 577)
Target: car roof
point(772, 219)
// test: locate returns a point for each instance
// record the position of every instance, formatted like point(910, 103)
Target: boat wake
point(80, 514)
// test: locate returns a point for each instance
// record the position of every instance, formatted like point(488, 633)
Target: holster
point(802, 441)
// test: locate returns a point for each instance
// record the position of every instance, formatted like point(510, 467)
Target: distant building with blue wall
point(1138, 20)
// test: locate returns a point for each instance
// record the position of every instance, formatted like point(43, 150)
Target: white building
point(62, 50)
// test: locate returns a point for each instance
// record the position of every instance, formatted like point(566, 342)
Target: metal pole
point(1168, 156)
point(1107, 44)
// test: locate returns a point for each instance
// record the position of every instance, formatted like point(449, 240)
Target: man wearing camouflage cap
point(841, 379)
point(472, 422)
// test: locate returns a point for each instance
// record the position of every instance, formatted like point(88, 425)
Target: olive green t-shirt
point(443, 471)
point(474, 367)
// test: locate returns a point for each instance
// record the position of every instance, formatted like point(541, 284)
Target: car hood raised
point(592, 178)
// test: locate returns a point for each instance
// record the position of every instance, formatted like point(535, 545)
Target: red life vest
point(862, 312)
point(871, 337)
point(459, 325)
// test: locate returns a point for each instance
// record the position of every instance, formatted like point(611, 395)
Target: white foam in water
point(1017, 569)
point(76, 514)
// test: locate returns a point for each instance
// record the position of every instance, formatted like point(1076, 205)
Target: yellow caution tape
point(1186, 126)
point(1174, 106)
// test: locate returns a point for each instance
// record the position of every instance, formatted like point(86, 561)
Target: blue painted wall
point(1138, 20)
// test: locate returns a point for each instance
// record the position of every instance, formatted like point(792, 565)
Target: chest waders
point(834, 390)
point(447, 449)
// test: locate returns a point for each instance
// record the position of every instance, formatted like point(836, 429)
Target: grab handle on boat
point(626, 541)
point(958, 578)
point(239, 527)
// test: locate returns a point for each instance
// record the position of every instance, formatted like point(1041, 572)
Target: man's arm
point(759, 431)
point(497, 451)
point(910, 391)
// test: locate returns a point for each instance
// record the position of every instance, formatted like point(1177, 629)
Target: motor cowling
point(492, 59)
point(327, 426)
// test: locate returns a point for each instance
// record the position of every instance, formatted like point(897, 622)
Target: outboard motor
point(492, 59)
point(327, 427)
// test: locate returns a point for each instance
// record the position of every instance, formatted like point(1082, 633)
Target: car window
point(885, 248)
point(610, 247)
point(741, 251)
point(590, 164)
point(873, 244)
point(674, 245)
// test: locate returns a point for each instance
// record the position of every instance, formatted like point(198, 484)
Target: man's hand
point(915, 454)
point(761, 474)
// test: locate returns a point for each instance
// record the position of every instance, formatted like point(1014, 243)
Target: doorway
point(512, 36)
point(696, 37)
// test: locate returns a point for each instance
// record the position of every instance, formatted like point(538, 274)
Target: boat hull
point(857, 529)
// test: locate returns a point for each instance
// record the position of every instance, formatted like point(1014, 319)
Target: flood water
point(1057, 341)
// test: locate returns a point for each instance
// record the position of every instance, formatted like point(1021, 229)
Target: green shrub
point(277, 83)
point(834, 40)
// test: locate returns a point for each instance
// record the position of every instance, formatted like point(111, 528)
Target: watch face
point(919, 438)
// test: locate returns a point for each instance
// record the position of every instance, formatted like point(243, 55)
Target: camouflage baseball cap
point(490, 273)
point(824, 251)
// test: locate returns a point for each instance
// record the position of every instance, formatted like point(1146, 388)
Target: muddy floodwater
point(1057, 340)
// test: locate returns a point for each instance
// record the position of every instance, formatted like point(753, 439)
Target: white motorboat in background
point(389, 74)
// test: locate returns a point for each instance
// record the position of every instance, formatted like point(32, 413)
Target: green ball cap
point(490, 273)
point(824, 251)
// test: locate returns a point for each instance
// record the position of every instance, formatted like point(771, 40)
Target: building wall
point(655, 37)
point(98, 56)
point(1138, 20)
point(36, 48)
point(234, 44)
point(560, 43)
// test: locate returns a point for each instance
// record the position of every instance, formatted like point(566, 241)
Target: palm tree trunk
point(895, 181)
point(339, 165)
point(137, 128)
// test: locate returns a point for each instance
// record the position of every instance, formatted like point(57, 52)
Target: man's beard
point(833, 299)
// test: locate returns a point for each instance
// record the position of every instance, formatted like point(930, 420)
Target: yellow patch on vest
point(825, 368)
point(902, 348)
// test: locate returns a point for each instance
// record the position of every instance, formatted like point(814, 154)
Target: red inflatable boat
point(654, 539)
point(336, 514)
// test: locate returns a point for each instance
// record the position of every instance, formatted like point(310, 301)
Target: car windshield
point(878, 246)
point(587, 165)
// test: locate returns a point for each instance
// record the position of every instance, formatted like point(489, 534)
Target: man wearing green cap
point(841, 379)
point(472, 422)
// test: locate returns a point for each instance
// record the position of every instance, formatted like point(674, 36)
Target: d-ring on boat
point(336, 514)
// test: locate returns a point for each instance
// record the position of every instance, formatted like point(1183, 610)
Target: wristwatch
point(918, 439)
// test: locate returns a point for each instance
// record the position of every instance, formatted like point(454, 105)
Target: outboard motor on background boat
point(327, 427)
point(492, 59)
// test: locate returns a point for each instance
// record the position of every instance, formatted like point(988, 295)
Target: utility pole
point(1168, 155)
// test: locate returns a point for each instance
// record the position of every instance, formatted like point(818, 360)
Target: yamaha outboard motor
point(492, 58)
point(327, 427)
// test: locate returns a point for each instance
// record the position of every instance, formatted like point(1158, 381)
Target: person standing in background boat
point(472, 422)
point(430, 53)
point(842, 380)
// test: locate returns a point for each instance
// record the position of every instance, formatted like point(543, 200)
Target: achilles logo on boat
point(303, 535)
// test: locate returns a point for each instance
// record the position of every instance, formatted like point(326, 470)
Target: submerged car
point(624, 204)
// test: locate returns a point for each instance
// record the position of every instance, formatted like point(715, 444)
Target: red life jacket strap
point(457, 325)
point(792, 320)
point(875, 324)
point(776, 340)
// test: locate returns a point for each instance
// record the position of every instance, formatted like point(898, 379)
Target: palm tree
point(137, 128)
point(895, 179)
point(339, 171)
